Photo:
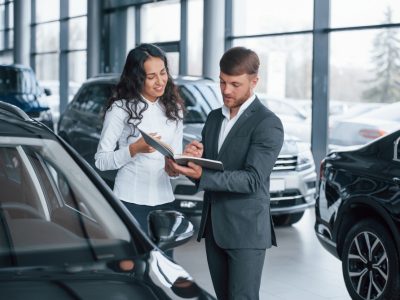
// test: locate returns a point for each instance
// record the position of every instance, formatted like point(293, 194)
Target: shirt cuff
point(122, 156)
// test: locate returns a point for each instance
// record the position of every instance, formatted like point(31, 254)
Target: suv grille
point(285, 163)
point(286, 199)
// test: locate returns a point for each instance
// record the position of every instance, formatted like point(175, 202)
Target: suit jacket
point(238, 198)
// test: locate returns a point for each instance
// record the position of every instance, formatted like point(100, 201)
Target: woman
point(147, 99)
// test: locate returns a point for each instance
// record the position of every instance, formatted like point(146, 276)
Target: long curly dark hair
point(131, 84)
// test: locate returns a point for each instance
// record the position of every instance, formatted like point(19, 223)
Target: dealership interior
point(329, 69)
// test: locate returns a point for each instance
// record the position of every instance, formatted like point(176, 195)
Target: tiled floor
point(299, 269)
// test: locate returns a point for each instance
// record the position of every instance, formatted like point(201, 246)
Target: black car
point(63, 234)
point(358, 216)
point(80, 125)
point(19, 87)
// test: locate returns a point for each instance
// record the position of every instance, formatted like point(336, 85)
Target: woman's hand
point(194, 148)
point(140, 146)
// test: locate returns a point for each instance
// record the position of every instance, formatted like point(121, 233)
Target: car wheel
point(369, 262)
point(287, 219)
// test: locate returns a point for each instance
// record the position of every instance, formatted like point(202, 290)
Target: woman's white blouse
point(140, 179)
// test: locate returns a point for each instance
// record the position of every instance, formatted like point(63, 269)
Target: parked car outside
point(64, 235)
point(296, 120)
point(292, 180)
point(358, 216)
point(366, 127)
point(18, 86)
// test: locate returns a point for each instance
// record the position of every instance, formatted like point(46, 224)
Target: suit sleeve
point(266, 143)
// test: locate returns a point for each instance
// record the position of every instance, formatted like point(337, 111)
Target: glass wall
point(6, 31)
point(195, 37)
point(282, 38)
point(364, 70)
point(59, 49)
point(160, 22)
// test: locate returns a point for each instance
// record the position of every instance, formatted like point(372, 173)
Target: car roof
point(15, 66)
point(15, 122)
point(114, 78)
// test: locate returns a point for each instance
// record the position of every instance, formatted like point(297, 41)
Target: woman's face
point(156, 78)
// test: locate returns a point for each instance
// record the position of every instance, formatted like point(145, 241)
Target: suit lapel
point(242, 120)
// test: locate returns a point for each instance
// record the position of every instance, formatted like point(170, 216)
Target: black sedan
point(63, 234)
point(358, 216)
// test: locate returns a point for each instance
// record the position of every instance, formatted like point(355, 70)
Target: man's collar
point(242, 108)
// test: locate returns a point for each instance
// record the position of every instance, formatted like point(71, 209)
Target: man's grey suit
point(236, 201)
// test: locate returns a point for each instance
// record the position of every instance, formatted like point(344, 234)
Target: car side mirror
point(47, 92)
point(169, 229)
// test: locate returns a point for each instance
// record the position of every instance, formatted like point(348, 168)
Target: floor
point(299, 269)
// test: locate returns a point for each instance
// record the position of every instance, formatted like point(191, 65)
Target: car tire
point(370, 263)
point(287, 219)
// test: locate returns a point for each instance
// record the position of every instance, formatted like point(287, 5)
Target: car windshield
point(51, 212)
point(17, 81)
point(199, 99)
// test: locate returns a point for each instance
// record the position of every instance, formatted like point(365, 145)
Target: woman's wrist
point(133, 149)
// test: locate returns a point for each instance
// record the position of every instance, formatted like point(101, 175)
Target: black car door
point(88, 111)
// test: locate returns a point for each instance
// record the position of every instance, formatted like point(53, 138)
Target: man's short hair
point(239, 61)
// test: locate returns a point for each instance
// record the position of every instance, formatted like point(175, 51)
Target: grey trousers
point(235, 273)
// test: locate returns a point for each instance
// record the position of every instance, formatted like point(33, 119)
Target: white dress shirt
point(141, 179)
point(228, 123)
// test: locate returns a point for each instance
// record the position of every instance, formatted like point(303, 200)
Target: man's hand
point(192, 170)
point(194, 148)
point(169, 168)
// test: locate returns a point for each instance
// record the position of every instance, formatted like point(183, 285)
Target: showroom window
point(154, 17)
point(47, 39)
point(268, 16)
point(59, 50)
point(6, 31)
point(364, 70)
point(284, 46)
point(195, 37)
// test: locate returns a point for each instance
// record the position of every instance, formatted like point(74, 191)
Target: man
point(236, 221)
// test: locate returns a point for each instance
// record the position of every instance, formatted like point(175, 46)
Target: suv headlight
point(305, 159)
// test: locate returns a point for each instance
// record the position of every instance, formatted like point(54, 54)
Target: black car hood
point(154, 277)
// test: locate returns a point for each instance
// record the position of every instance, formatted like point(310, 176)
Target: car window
point(211, 95)
point(19, 81)
point(195, 112)
point(53, 208)
point(93, 98)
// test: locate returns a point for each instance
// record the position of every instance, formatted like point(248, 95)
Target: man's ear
point(254, 81)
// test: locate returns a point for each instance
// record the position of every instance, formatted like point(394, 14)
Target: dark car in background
point(292, 180)
point(63, 234)
point(358, 216)
point(19, 87)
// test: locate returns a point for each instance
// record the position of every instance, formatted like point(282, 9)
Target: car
point(358, 215)
point(365, 127)
point(53, 99)
point(64, 235)
point(296, 120)
point(18, 86)
point(293, 178)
